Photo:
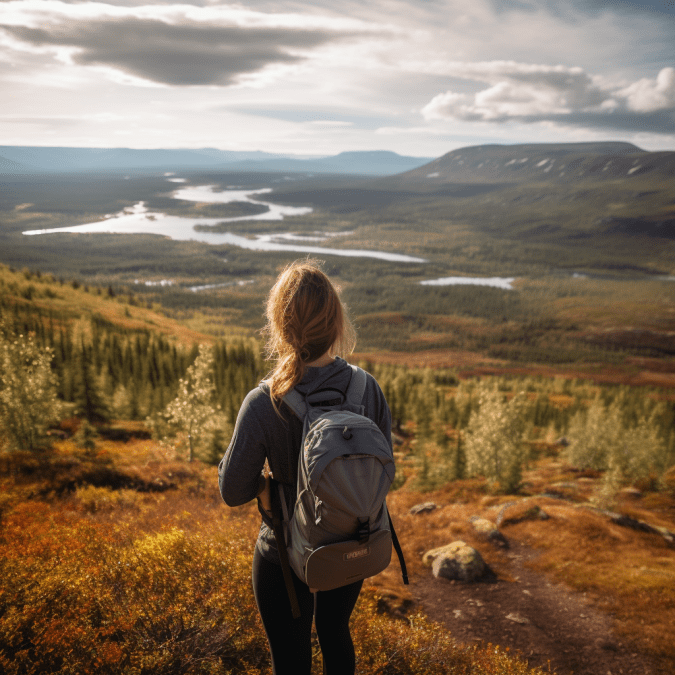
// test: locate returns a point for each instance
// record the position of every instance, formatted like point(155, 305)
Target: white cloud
point(647, 95)
point(538, 93)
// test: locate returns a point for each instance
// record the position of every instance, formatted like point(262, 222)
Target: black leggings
point(289, 638)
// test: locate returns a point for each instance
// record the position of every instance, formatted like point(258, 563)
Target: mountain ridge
point(37, 159)
point(535, 162)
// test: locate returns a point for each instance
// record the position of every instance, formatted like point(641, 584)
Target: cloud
point(566, 8)
point(533, 93)
point(173, 45)
point(652, 95)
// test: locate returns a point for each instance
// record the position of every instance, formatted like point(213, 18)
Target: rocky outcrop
point(456, 561)
point(426, 507)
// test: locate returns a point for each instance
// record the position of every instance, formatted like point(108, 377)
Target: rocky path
point(549, 625)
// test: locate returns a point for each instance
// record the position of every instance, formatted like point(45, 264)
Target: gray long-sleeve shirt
point(261, 434)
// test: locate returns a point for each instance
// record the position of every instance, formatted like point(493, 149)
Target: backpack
point(340, 530)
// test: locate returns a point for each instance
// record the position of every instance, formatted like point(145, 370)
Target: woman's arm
point(240, 471)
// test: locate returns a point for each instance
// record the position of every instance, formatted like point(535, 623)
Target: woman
point(307, 329)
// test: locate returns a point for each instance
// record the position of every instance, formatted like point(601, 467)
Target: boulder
point(488, 530)
point(456, 561)
point(426, 507)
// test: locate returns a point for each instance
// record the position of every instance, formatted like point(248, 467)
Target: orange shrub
point(79, 597)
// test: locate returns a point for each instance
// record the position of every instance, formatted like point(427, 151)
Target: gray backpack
point(340, 531)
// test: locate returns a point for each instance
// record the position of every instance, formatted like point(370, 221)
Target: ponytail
point(305, 320)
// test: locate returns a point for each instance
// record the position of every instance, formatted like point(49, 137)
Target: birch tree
point(193, 410)
point(28, 391)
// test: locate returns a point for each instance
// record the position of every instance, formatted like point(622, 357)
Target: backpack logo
point(352, 555)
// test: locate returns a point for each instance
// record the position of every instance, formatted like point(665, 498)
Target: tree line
point(98, 371)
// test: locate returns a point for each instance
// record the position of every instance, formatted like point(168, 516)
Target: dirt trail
point(543, 621)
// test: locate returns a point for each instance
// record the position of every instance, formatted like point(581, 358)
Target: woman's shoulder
point(258, 400)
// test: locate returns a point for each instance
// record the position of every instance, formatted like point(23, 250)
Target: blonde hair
point(305, 320)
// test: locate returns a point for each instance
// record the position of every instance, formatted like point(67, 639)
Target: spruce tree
point(88, 398)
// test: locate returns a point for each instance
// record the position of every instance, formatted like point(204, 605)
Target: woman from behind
point(308, 332)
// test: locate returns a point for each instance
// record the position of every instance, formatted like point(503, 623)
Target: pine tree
point(88, 399)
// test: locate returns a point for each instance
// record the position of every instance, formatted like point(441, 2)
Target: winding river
point(137, 219)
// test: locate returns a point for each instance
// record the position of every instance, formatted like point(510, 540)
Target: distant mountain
point(536, 162)
point(7, 166)
point(369, 163)
point(66, 160)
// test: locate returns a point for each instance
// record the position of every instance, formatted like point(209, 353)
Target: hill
point(8, 166)
point(550, 191)
point(71, 160)
point(381, 163)
point(538, 162)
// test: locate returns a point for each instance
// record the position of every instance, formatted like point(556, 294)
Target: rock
point(488, 530)
point(521, 512)
point(394, 604)
point(426, 507)
point(456, 561)
point(482, 525)
point(496, 538)
point(517, 618)
point(630, 493)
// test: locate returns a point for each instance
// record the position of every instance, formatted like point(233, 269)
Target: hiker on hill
point(307, 329)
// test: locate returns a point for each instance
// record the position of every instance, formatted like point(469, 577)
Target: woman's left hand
point(265, 496)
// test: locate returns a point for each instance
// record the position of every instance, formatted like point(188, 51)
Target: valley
point(590, 248)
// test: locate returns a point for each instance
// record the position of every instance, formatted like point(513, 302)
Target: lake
point(497, 282)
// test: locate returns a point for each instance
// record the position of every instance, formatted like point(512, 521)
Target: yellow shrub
point(93, 499)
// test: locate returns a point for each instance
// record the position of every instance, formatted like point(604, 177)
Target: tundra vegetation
point(122, 357)
point(118, 556)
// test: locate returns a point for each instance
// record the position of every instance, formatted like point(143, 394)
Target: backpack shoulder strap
point(357, 386)
point(399, 551)
point(296, 402)
point(279, 523)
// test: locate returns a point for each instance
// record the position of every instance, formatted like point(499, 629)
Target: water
point(505, 283)
point(137, 219)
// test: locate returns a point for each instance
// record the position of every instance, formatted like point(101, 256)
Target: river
point(137, 219)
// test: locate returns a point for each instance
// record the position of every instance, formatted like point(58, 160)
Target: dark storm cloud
point(185, 54)
point(659, 122)
point(579, 8)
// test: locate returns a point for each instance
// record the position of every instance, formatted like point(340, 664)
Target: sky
point(417, 77)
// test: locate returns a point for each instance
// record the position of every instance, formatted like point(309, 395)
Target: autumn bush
point(82, 597)
point(628, 448)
